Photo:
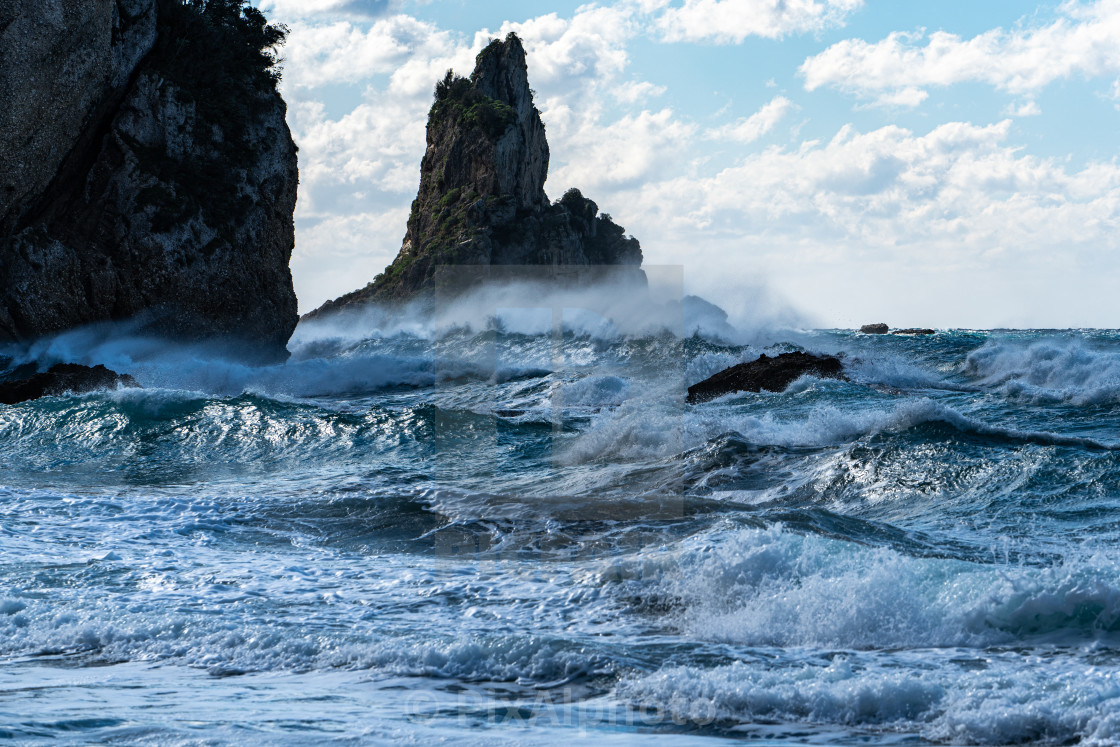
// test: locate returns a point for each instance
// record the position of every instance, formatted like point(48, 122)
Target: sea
point(505, 525)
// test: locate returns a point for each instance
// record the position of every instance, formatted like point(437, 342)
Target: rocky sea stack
point(766, 374)
point(482, 201)
point(146, 171)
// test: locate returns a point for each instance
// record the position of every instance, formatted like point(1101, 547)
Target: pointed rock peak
point(501, 71)
point(481, 200)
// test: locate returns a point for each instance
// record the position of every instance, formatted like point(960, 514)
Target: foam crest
point(1057, 371)
point(595, 391)
point(775, 588)
point(996, 700)
point(896, 372)
point(649, 427)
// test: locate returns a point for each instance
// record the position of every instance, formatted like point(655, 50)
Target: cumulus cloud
point(636, 91)
point(954, 226)
point(1029, 108)
point(409, 50)
point(757, 125)
point(898, 69)
point(624, 153)
point(567, 55)
point(732, 21)
point(961, 188)
point(342, 252)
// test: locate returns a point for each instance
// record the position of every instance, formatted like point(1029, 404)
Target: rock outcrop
point(64, 378)
point(766, 373)
point(915, 331)
point(146, 172)
point(481, 200)
point(875, 329)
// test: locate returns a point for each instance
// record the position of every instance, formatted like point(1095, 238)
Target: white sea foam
point(776, 588)
point(650, 427)
point(595, 391)
point(1048, 371)
point(1006, 699)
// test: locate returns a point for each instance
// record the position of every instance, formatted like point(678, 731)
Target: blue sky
point(942, 164)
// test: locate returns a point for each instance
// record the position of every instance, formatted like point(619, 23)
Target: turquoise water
point(497, 536)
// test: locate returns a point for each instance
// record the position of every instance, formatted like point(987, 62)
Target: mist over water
point(501, 523)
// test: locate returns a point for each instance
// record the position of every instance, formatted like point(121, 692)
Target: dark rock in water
point(146, 171)
point(915, 332)
point(481, 200)
point(766, 373)
point(62, 379)
point(875, 329)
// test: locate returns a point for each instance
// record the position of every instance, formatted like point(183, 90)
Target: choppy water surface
point(507, 536)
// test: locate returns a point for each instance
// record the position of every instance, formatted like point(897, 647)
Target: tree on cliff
point(223, 55)
point(228, 40)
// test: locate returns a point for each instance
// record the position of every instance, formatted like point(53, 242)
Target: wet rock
point(915, 331)
point(64, 378)
point(766, 373)
point(875, 329)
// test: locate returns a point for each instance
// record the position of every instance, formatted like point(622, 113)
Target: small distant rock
point(766, 373)
point(63, 378)
point(875, 329)
point(915, 332)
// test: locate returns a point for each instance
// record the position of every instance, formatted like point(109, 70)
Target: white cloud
point(953, 226)
point(955, 193)
point(732, 21)
point(898, 69)
point(622, 154)
point(1028, 108)
point(569, 54)
point(757, 125)
point(908, 97)
point(343, 252)
point(342, 52)
point(636, 91)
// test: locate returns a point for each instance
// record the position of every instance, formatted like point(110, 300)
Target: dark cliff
point(481, 199)
point(146, 171)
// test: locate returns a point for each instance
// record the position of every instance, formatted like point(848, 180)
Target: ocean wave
point(1047, 371)
point(772, 587)
point(595, 391)
point(896, 372)
point(997, 700)
point(33, 628)
point(643, 428)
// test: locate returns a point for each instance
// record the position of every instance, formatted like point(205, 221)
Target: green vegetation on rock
point(459, 100)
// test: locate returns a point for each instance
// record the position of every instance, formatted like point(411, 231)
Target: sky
point(943, 164)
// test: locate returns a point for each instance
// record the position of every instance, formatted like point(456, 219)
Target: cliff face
point(146, 172)
point(482, 199)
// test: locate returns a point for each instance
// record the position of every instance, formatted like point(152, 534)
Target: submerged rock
point(146, 171)
point(481, 200)
point(766, 373)
point(875, 329)
point(915, 331)
point(62, 379)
